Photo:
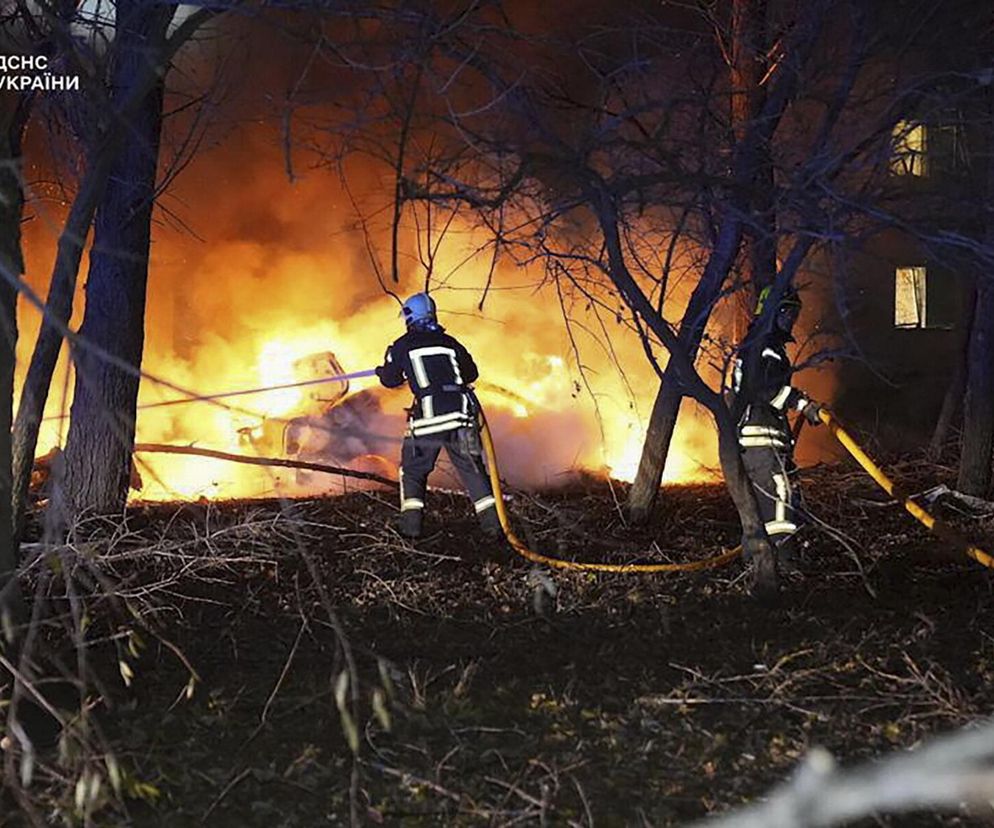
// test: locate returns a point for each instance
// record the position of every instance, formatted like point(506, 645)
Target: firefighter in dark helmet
point(763, 395)
point(439, 371)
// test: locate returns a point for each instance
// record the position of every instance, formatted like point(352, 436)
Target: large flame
point(283, 276)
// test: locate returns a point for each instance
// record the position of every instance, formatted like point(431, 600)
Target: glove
point(811, 412)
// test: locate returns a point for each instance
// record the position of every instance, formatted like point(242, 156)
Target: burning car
point(337, 428)
point(343, 432)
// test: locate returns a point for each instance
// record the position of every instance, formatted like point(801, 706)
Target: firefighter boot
point(409, 525)
point(490, 523)
point(788, 555)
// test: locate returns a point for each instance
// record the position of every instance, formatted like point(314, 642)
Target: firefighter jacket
point(764, 395)
point(438, 370)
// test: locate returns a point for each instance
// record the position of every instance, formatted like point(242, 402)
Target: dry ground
point(494, 693)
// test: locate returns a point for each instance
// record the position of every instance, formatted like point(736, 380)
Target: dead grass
point(478, 690)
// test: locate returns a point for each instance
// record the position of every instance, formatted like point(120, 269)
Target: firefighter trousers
point(417, 459)
point(770, 472)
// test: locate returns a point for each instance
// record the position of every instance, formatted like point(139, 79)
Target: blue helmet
point(419, 311)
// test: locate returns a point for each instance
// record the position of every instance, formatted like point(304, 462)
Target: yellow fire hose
point(558, 563)
point(932, 523)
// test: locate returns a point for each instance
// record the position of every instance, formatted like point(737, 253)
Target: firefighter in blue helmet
point(439, 371)
point(763, 395)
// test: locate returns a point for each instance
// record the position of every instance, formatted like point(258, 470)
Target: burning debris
point(340, 429)
point(344, 432)
point(336, 431)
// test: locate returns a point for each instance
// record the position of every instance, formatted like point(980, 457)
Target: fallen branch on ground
point(166, 448)
point(944, 775)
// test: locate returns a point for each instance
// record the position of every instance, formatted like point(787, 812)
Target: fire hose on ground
point(559, 563)
point(934, 524)
point(922, 515)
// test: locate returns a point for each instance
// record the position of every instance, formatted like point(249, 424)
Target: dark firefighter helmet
point(419, 311)
point(788, 309)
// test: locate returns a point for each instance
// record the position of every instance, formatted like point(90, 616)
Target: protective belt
point(440, 388)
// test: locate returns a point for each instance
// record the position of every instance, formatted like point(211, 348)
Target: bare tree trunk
point(747, 69)
point(662, 423)
point(957, 385)
point(749, 66)
point(102, 424)
point(12, 122)
point(978, 405)
point(146, 75)
point(58, 309)
point(681, 366)
point(755, 543)
point(947, 413)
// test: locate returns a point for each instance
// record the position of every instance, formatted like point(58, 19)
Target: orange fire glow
point(280, 279)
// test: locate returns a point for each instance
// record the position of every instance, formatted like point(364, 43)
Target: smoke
point(269, 272)
point(250, 273)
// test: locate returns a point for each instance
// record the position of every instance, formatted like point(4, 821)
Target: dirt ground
point(492, 692)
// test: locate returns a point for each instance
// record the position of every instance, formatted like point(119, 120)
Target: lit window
point(909, 142)
point(909, 297)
